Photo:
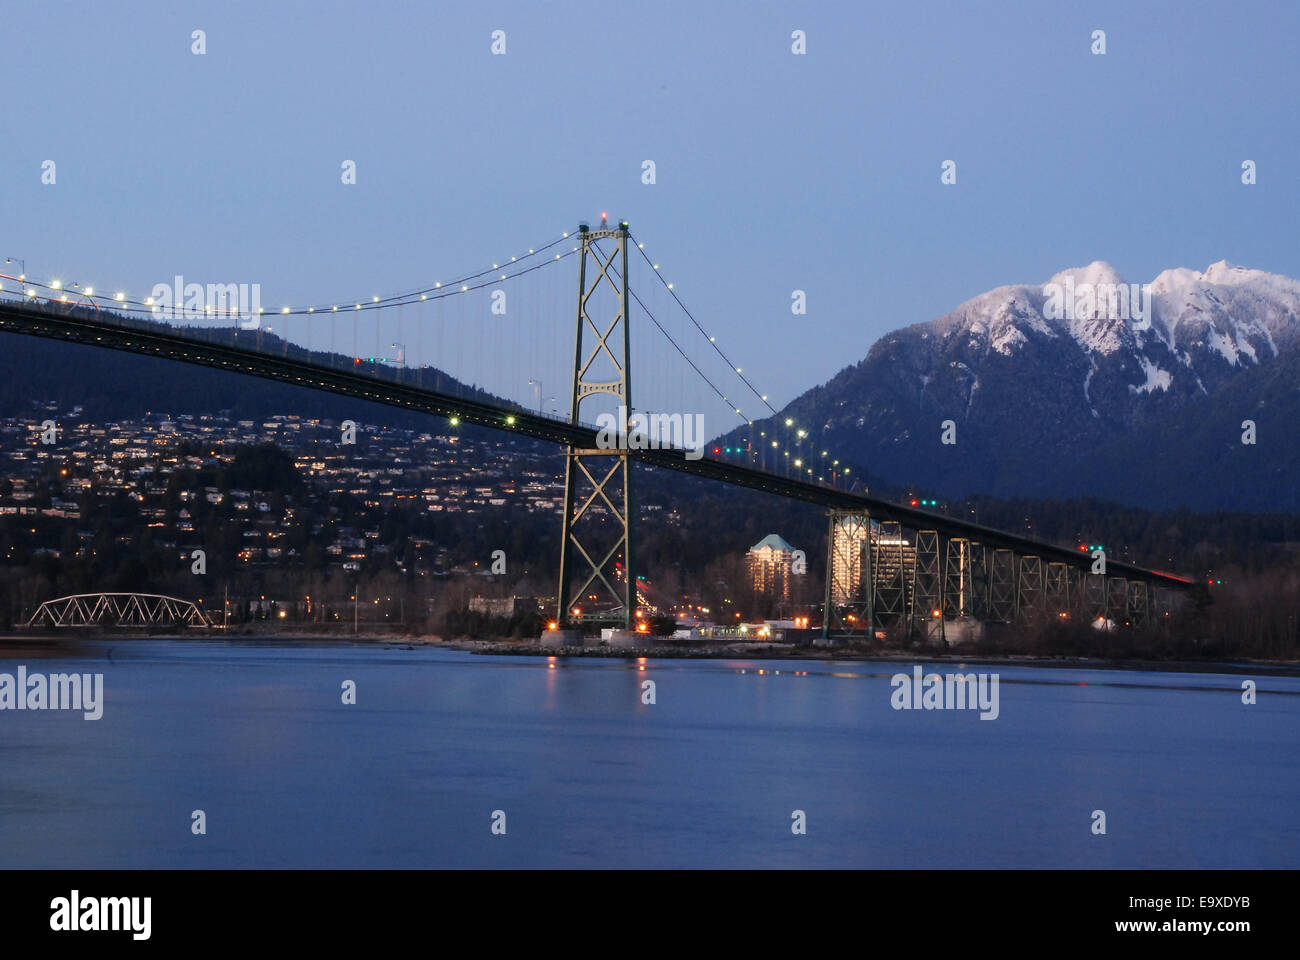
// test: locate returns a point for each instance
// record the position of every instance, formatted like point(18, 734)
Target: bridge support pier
point(979, 579)
point(850, 582)
point(926, 620)
point(957, 599)
point(1057, 591)
point(1117, 600)
point(1003, 594)
point(1029, 593)
point(1138, 607)
point(890, 581)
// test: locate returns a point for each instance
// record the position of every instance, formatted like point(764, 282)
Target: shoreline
point(780, 652)
point(48, 645)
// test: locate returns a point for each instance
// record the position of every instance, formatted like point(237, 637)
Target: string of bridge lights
point(121, 301)
point(669, 337)
point(501, 271)
point(798, 460)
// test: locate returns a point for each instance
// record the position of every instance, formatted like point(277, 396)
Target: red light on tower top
point(603, 217)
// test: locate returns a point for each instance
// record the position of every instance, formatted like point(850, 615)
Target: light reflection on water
point(589, 775)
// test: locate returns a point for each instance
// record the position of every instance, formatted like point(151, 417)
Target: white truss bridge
point(118, 610)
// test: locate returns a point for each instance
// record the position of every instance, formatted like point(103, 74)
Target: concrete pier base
point(628, 639)
point(820, 641)
point(557, 639)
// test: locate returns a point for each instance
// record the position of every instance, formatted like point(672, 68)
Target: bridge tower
point(598, 504)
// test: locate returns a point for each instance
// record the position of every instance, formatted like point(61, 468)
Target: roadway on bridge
point(77, 324)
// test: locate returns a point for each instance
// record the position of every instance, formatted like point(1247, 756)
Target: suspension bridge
point(476, 338)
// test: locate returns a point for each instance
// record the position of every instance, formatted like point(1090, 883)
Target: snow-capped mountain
point(1183, 331)
point(1085, 384)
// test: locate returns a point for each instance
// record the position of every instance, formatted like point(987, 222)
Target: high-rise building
point(770, 563)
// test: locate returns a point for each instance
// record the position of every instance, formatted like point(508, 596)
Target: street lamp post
point(22, 266)
point(83, 291)
point(401, 353)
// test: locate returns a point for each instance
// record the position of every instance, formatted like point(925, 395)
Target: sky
point(774, 171)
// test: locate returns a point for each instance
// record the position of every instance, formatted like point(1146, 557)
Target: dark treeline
point(1255, 618)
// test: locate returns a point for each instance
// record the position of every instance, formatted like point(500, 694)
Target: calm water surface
point(256, 736)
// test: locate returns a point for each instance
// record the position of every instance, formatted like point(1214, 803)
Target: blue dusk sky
point(774, 171)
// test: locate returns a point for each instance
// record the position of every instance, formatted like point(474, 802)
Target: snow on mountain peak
point(1097, 272)
point(1234, 313)
point(1098, 309)
point(1175, 280)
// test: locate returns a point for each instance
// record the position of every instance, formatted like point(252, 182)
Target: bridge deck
point(76, 324)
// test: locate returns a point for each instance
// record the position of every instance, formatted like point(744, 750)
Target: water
point(257, 737)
